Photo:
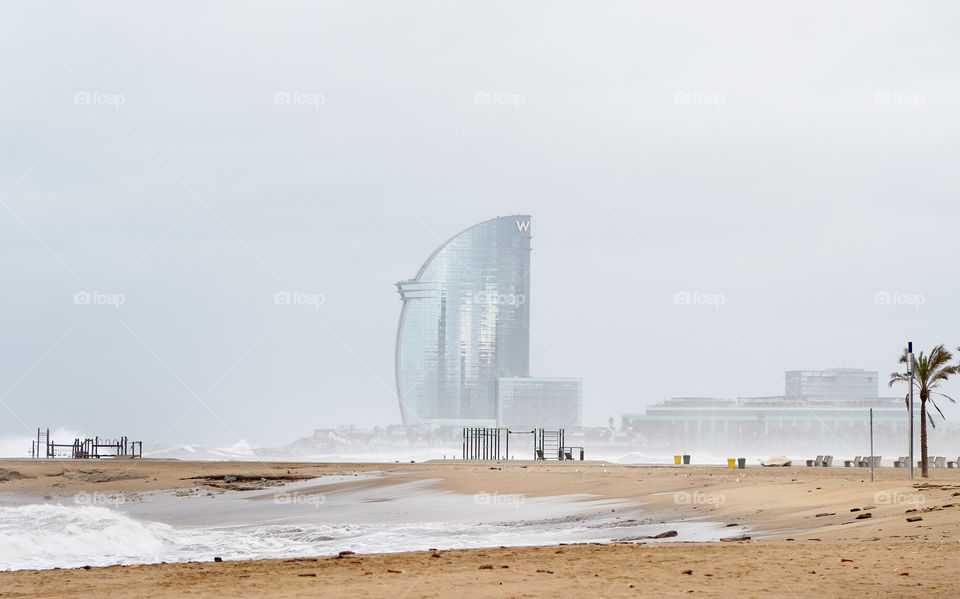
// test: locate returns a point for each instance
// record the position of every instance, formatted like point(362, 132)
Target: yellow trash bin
point(676, 459)
point(731, 462)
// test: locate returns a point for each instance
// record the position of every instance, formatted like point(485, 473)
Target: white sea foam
point(49, 536)
point(44, 536)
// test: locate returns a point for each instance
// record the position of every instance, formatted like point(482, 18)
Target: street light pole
point(910, 367)
point(872, 459)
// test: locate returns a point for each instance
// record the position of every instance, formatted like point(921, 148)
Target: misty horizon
point(720, 195)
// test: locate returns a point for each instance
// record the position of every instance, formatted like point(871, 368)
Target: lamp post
point(910, 372)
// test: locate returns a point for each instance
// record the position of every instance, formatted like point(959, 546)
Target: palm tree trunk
point(923, 437)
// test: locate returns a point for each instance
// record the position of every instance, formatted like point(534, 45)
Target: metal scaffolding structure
point(96, 447)
point(485, 443)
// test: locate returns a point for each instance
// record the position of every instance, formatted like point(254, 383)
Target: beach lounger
point(940, 462)
point(854, 462)
point(827, 461)
point(902, 462)
point(816, 462)
point(953, 463)
point(929, 463)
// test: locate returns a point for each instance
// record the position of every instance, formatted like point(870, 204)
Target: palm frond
point(898, 377)
point(952, 400)
point(930, 401)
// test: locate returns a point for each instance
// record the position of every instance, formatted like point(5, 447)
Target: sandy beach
point(799, 531)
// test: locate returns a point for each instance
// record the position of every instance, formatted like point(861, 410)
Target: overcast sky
point(780, 163)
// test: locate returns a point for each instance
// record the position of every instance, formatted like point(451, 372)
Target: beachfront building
point(531, 402)
point(821, 412)
point(465, 325)
point(833, 383)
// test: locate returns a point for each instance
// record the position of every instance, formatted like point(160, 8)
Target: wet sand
point(803, 523)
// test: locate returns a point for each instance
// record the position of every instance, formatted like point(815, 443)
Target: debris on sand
point(248, 482)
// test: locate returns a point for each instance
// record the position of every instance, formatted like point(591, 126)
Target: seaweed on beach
point(248, 482)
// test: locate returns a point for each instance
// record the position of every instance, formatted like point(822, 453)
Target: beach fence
point(96, 447)
point(486, 443)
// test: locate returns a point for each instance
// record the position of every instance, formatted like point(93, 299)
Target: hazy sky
point(780, 162)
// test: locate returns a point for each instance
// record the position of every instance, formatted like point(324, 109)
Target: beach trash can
point(731, 462)
point(741, 463)
point(676, 459)
point(686, 459)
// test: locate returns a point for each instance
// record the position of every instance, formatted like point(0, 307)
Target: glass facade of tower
point(465, 322)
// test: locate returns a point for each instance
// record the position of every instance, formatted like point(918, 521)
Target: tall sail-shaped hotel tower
point(463, 341)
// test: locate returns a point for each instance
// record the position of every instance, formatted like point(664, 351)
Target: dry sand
point(792, 552)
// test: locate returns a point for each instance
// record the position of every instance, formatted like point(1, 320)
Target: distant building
point(825, 410)
point(530, 402)
point(834, 383)
point(465, 326)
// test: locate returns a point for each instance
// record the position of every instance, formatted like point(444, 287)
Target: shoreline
point(799, 520)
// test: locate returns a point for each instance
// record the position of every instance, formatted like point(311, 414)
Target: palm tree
point(928, 373)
